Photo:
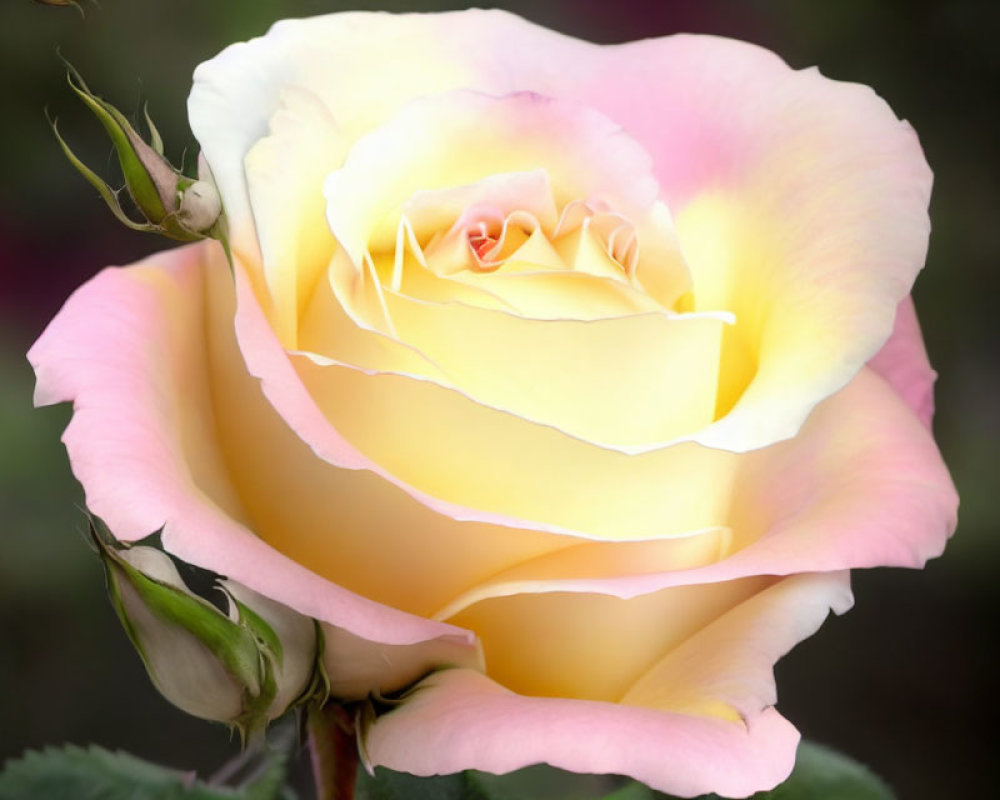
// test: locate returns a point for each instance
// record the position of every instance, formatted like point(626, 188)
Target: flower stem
point(334, 752)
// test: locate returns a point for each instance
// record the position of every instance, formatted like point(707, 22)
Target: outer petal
point(458, 719)
point(333, 58)
point(862, 485)
point(903, 362)
point(800, 204)
point(728, 663)
point(129, 350)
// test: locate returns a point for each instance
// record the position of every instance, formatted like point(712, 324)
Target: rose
point(570, 368)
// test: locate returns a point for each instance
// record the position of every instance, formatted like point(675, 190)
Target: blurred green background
point(905, 682)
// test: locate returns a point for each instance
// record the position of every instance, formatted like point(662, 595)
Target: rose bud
point(244, 669)
point(173, 205)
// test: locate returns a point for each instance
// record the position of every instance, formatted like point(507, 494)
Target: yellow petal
point(589, 646)
point(626, 381)
point(443, 443)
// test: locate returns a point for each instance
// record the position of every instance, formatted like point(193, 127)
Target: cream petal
point(461, 138)
point(600, 567)
point(729, 663)
point(862, 485)
point(266, 361)
point(327, 331)
point(559, 295)
point(592, 646)
point(284, 176)
point(496, 466)
point(628, 382)
point(236, 93)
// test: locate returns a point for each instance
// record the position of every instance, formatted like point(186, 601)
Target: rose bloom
point(567, 380)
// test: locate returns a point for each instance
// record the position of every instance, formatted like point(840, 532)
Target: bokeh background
point(905, 682)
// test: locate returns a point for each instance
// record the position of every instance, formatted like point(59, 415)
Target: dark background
point(905, 682)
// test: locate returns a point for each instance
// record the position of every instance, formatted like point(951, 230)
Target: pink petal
point(902, 361)
point(459, 719)
point(128, 349)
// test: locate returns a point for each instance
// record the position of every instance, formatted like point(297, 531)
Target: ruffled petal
point(460, 719)
point(699, 720)
point(462, 138)
point(728, 664)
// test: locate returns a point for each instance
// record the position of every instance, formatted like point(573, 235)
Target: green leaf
point(636, 791)
point(541, 781)
point(389, 785)
point(268, 785)
point(824, 774)
point(75, 773)
point(819, 774)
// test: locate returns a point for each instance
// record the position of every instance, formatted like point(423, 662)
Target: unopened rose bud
point(170, 203)
point(200, 206)
point(287, 640)
point(244, 669)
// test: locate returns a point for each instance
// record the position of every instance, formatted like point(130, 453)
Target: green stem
point(334, 752)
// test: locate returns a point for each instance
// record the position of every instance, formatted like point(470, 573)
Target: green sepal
point(109, 195)
point(318, 690)
point(150, 180)
point(231, 644)
point(259, 628)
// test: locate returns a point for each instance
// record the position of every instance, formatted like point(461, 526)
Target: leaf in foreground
point(75, 773)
